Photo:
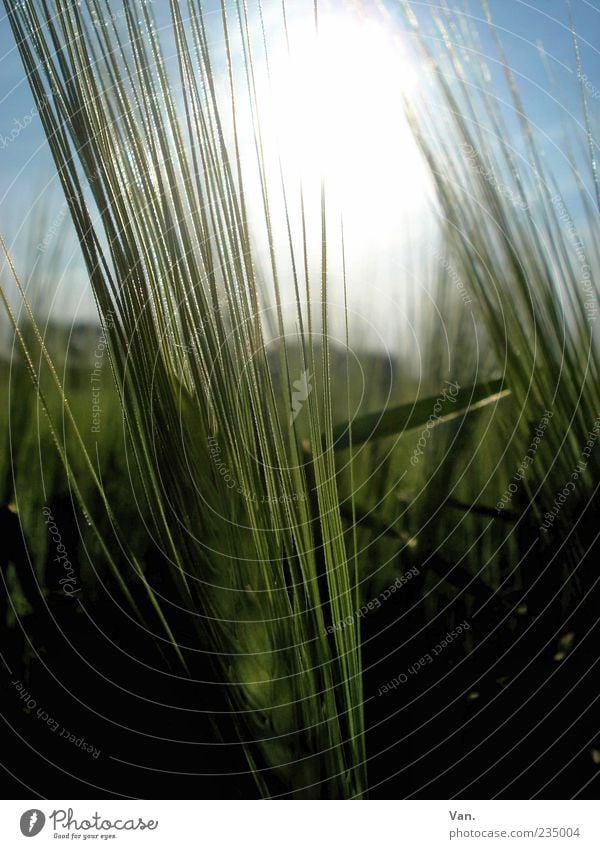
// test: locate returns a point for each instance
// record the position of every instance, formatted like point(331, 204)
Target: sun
point(336, 97)
point(329, 104)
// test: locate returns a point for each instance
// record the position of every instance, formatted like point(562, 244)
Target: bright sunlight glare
point(336, 106)
point(330, 110)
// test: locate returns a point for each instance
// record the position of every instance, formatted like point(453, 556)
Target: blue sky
point(26, 173)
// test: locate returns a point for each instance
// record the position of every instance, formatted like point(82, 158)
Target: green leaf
point(395, 421)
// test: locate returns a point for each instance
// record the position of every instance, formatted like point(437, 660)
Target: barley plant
point(286, 479)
